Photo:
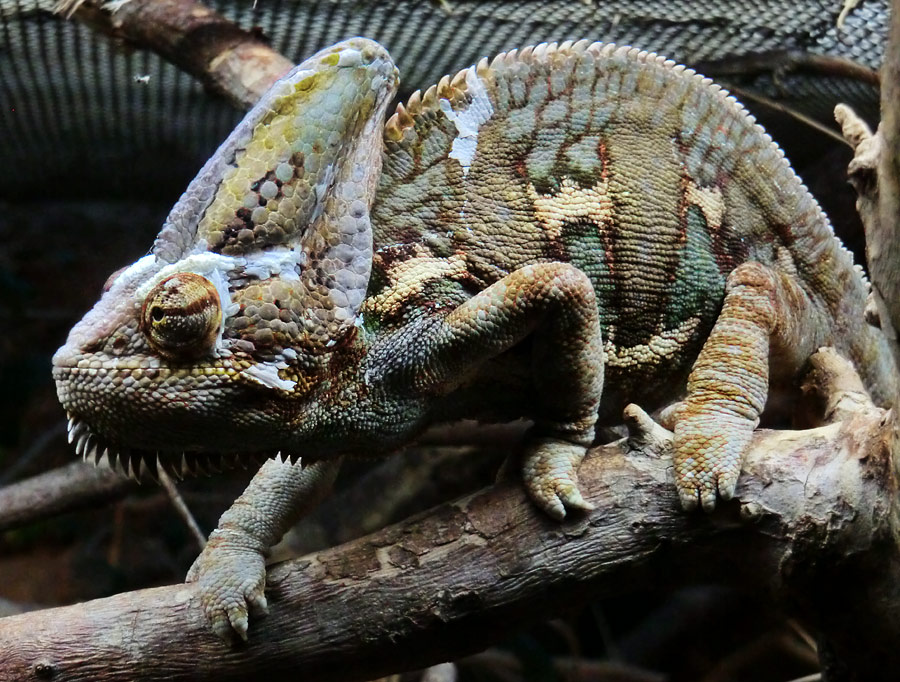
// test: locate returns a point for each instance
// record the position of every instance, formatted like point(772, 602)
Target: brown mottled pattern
point(496, 215)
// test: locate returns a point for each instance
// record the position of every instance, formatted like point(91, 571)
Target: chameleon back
point(648, 177)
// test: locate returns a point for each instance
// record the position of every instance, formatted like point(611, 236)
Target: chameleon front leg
point(231, 571)
point(555, 304)
point(764, 315)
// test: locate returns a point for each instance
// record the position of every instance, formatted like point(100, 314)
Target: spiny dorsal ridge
point(458, 81)
point(543, 50)
point(499, 59)
point(430, 98)
point(414, 103)
point(443, 87)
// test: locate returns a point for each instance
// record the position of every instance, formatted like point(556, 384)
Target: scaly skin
point(554, 235)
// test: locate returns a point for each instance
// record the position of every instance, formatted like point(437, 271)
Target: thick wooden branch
point(814, 528)
point(224, 57)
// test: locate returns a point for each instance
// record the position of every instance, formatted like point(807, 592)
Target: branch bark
point(815, 513)
point(75, 486)
point(228, 60)
point(875, 174)
point(883, 247)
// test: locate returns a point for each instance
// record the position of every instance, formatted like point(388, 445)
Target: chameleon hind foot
point(549, 469)
point(708, 452)
point(728, 385)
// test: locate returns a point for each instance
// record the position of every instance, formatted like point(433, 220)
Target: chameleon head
point(210, 351)
point(159, 370)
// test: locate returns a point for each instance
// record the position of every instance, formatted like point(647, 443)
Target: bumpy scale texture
point(551, 235)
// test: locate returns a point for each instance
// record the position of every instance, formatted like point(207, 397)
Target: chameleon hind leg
point(763, 317)
point(553, 304)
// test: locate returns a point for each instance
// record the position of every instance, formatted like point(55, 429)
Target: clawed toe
point(231, 586)
point(549, 471)
point(694, 492)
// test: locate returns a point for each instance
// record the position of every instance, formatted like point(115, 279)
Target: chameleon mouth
point(143, 465)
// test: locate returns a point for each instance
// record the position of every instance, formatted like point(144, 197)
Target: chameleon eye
point(181, 316)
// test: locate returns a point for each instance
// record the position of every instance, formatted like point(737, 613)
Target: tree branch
point(883, 247)
point(75, 486)
point(224, 57)
point(875, 174)
point(815, 513)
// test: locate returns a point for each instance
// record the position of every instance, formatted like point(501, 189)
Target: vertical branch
point(875, 173)
point(885, 257)
point(884, 247)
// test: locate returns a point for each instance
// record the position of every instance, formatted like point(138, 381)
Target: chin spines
point(143, 465)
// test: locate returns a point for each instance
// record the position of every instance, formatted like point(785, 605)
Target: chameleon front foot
point(549, 469)
point(231, 577)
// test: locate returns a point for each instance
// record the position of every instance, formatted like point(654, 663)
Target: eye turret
point(181, 316)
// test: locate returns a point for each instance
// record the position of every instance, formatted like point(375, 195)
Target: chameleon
point(552, 234)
